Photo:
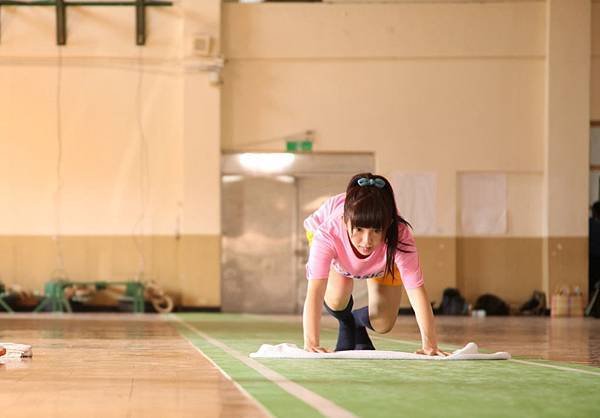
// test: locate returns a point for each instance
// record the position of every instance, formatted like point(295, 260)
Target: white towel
point(291, 351)
point(15, 352)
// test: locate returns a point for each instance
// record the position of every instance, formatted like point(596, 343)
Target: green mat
point(391, 388)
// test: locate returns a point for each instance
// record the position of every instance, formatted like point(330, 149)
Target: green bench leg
point(55, 297)
point(5, 305)
point(135, 290)
point(138, 300)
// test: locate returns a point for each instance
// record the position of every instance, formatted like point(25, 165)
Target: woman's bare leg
point(339, 290)
point(384, 302)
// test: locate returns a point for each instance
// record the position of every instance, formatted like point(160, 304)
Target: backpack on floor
point(536, 305)
point(453, 303)
point(492, 305)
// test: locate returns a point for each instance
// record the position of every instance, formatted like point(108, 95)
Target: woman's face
point(365, 240)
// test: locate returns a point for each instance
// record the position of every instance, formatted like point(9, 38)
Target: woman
point(360, 235)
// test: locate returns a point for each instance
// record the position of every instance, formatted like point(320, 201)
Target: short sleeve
point(320, 255)
point(318, 217)
point(407, 259)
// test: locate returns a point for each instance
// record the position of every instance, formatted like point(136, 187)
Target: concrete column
point(567, 123)
point(199, 256)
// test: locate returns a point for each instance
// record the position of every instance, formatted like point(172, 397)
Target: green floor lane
point(393, 388)
point(277, 401)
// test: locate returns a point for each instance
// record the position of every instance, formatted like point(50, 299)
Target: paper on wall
point(416, 200)
point(483, 205)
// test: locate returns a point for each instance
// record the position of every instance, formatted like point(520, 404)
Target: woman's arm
point(420, 304)
point(311, 318)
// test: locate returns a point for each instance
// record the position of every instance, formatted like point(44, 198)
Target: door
point(257, 246)
point(265, 199)
point(312, 192)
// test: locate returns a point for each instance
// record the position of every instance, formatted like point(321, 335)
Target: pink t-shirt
point(331, 248)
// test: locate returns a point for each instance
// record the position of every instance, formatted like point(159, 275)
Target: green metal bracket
point(140, 22)
point(61, 13)
point(4, 305)
point(61, 23)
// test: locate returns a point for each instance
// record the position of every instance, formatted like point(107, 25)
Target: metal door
point(312, 192)
point(257, 246)
point(264, 246)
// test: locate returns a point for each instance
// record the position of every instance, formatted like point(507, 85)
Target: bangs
point(367, 212)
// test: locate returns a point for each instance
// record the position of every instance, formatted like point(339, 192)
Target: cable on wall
point(60, 271)
point(144, 173)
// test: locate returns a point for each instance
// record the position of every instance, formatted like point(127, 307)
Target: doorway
point(265, 199)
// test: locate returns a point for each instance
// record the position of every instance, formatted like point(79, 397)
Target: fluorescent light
point(267, 162)
point(231, 178)
point(285, 179)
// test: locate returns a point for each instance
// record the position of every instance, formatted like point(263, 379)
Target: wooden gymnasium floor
point(197, 365)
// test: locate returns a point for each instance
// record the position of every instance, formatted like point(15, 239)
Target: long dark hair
point(372, 205)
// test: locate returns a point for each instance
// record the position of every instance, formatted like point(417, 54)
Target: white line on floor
point(236, 384)
point(552, 366)
point(324, 406)
point(532, 363)
point(171, 317)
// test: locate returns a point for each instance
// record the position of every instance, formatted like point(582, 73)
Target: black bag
point(536, 305)
point(492, 305)
point(453, 303)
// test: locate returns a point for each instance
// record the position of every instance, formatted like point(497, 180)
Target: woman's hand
point(311, 317)
point(316, 349)
point(432, 351)
point(420, 303)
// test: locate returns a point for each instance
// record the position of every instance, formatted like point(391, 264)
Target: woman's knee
point(382, 324)
point(337, 302)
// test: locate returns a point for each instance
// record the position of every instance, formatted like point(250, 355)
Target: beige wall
point(510, 268)
point(442, 95)
point(432, 87)
point(443, 87)
point(140, 148)
point(182, 265)
point(566, 150)
point(595, 62)
point(438, 260)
